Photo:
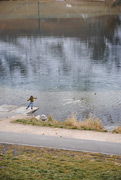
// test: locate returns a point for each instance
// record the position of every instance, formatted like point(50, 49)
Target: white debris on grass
point(43, 117)
point(68, 5)
point(38, 117)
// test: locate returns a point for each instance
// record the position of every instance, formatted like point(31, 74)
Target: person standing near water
point(31, 99)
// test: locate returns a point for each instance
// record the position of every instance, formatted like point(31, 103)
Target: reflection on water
point(64, 58)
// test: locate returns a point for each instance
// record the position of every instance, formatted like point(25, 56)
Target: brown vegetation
point(117, 130)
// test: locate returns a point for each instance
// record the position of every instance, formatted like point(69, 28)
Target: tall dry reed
point(117, 130)
point(91, 123)
point(72, 121)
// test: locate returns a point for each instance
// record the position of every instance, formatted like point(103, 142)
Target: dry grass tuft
point(117, 130)
point(92, 123)
point(50, 118)
point(72, 121)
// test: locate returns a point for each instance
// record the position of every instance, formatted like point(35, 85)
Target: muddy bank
point(55, 9)
point(59, 26)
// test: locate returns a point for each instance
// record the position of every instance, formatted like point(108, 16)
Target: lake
point(72, 65)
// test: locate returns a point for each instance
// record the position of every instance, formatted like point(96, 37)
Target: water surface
point(71, 65)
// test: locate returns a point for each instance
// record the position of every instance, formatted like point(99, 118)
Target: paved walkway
point(76, 140)
point(60, 143)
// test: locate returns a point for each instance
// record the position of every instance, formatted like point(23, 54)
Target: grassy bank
point(92, 123)
point(30, 163)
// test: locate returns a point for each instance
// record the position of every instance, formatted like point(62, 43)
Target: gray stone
point(43, 117)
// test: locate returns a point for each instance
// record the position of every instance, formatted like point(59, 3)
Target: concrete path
point(76, 140)
point(60, 143)
point(7, 111)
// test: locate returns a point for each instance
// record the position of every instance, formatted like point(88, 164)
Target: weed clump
point(117, 130)
point(50, 118)
point(92, 123)
point(72, 121)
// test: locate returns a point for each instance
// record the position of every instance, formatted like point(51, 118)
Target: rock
point(43, 117)
point(38, 117)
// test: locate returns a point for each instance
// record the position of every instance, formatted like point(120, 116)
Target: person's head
point(31, 97)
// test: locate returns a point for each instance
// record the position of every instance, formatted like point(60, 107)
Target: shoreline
point(55, 9)
point(7, 126)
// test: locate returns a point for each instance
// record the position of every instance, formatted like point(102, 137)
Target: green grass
point(92, 123)
point(30, 163)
